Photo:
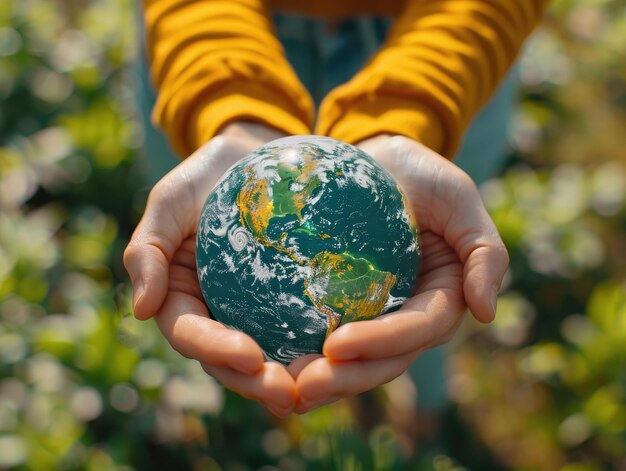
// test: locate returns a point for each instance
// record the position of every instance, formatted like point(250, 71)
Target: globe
point(301, 236)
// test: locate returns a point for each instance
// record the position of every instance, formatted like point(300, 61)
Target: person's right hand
point(161, 261)
point(463, 263)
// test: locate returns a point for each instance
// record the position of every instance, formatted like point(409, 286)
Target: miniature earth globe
point(304, 234)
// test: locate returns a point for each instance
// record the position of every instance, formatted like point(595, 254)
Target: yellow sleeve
point(442, 61)
point(217, 61)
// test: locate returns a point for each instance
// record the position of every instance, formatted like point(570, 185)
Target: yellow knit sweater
point(218, 61)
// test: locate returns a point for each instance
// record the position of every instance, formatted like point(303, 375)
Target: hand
point(463, 263)
point(161, 262)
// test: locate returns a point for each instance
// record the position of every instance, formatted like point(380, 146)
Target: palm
point(182, 273)
point(440, 281)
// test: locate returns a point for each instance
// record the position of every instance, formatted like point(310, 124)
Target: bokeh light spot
point(86, 404)
point(124, 397)
point(13, 451)
point(275, 442)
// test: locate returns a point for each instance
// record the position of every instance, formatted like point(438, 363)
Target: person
point(225, 86)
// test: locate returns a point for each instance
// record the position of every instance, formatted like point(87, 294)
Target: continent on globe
point(302, 235)
point(346, 288)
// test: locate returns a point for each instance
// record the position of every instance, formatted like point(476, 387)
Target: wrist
point(374, 140)
point(251, 132)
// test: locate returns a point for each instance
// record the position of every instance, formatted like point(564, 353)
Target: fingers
point(272, 386)
point(297, 365)
point(232, 357)
point(324, 381)
point(426, 320)
point(184, 321)
point(388, 335)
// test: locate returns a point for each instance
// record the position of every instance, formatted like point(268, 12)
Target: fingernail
point(344, 356)
point(305, 404)
point(302, 407)
point(319, 402)
point(278, 411)
point(494, 299)
point(246, 369)
point(137, 294)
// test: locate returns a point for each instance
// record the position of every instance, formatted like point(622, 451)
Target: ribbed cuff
point(234, 101)
point(394, 115)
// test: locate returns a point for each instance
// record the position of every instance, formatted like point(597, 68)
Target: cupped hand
point(161, 262)
point(463, 263)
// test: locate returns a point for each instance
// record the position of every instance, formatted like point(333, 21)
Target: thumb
point(483, 272)
point(485, 259)
point(147, 256)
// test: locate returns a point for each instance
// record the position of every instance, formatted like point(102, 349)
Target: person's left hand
point(464, 261)
point(161, 261)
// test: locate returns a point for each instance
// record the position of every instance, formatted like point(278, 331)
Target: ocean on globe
point(302, 235)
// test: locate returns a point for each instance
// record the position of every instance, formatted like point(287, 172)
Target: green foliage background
point(85, 386)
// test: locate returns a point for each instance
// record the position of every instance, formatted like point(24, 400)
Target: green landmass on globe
point(346, 288)
point(301, 236)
